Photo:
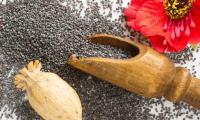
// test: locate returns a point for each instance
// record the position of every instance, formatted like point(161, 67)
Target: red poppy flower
point(169, 24)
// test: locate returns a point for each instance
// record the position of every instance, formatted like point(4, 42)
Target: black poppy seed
point(182, 56)
point(47, 31)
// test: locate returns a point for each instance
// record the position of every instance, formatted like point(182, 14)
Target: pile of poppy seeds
point(51, 31)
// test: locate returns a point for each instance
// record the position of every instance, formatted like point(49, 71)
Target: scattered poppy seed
point(50, 31)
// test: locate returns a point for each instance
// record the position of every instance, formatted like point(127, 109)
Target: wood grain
point(147, 73)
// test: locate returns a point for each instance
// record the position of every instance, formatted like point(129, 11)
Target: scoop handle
point(192, 95)
point(184, 87)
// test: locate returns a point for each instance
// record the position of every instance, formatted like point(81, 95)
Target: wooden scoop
point(147, 73)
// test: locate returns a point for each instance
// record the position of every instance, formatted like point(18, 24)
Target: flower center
point(177, 9)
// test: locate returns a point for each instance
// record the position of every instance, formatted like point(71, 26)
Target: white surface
point(5, 110)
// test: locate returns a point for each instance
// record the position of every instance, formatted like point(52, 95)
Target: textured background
point(50, 31)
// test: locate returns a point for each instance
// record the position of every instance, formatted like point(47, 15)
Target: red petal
point(132, 24)
point(151, 18)
point(195, 15)
point(157, 43)
point(195, 34)
point(132, 9)
point(197, 3)
point(194, 38)
point(179, 44)
point(137, 3)
point(130, 12)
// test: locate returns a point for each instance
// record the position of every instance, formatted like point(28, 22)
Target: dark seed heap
point(1, 22)
point(50, 32)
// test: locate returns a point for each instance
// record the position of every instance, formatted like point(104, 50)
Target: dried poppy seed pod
point(147, 73)
point(50, 96)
